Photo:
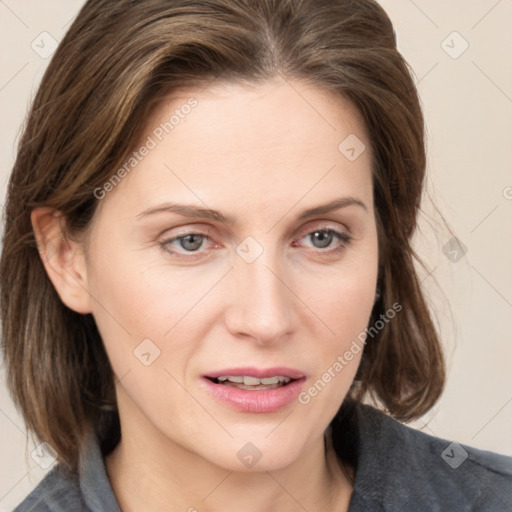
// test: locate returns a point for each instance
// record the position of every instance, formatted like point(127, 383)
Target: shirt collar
point(94, 483)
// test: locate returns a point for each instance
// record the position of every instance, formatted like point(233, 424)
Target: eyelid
point(323, 225)
point(342, 232)
point(187, 229)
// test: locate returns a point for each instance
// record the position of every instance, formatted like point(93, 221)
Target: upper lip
point(260, 373)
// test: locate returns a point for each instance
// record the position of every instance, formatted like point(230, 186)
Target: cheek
point(342, 296)
point(147, 333)
point(345, 310)
point(342, 301)
point(350, 305)
point(139, 299)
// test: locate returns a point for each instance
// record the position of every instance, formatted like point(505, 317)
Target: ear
point(63, 259)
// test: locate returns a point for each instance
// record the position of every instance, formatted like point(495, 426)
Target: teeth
point(270, 380)
point(237, 379)
point(253, 381)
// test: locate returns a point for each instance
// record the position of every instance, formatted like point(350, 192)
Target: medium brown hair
point(118, 59)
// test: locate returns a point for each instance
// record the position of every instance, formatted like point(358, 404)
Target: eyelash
point(344, 238)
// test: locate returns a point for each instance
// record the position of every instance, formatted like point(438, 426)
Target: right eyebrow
point(189, 211)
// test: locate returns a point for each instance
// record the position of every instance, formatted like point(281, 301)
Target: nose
point(261, 307)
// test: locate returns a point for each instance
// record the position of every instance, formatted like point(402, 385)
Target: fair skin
point(262, 155)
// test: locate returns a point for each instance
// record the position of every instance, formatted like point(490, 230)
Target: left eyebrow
point(186, 210)
point(333, 205)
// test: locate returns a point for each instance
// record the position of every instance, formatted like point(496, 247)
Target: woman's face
point(241, 242)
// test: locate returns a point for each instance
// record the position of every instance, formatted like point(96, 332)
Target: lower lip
point(263, 400)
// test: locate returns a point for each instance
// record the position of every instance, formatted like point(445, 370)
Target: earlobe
point(63, 259)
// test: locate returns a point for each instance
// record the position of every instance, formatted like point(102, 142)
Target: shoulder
point(55, 493)
point(400, 467)
point(88, 490)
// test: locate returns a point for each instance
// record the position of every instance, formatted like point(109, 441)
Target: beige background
point(467, 99)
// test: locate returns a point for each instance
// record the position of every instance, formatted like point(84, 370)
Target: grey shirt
point(397, 469)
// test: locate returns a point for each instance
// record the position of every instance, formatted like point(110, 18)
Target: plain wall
point(467, 99)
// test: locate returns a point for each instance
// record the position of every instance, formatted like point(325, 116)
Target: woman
point(207, 267)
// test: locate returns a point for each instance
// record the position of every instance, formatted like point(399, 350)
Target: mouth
point(251, 383)
point(253, 389)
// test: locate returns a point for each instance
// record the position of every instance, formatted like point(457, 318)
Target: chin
point(258, 454)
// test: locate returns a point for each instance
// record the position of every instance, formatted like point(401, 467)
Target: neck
point(151, 472)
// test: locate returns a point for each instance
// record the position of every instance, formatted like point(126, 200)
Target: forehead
point(273, 115)
point(277, 141)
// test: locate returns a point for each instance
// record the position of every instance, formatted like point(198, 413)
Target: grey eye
point(191, 242)
point(324, 239)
